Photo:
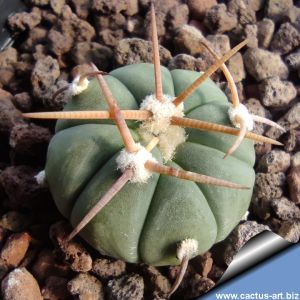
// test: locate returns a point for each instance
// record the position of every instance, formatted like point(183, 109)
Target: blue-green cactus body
point(144, 222)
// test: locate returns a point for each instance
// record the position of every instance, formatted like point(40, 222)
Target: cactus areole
point(145, 221)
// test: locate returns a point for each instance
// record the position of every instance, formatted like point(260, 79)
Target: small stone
point(293, 60)
point(187, 40)
point(290, 230)
point(269, 185)
point(56, 289)
point(216, 273)
point(250, 33)
point(295, 160)
point(291, 120)
point(185, 62)
point(111, 37)
point(219, 20)
point(274, 162)
point(9, 115)
point(19, 284)
point(203, 264)
point(15, 249)
point(82, 8)
point(293, 16)
point(108, 268)
point(285, 39)
point(73, 252)
point(158, 282)
point(220, 43)
point(107, 7)
point(285, 209)
point(198, 8)
point(262, 149)
point(265, 30)
point(57, 5)
point(60, 101)
point(132, 51)
point(293, 180)
point(236, 67)
point(85, 287)
point(8, 59)
point(23, 101)
point(87, 52)
point(244, 11)
point(14, 221)
point(276, 9)
point(20, 187)
point(132, 7)
point(30, 140)
point(195, 286)
point(126, 287)
point(45, 73)
point(60, 43)
point(46, 265)
point(291, 140)
point(24, 20)
point(262, 64)
point(238, 238)
point(177, 16)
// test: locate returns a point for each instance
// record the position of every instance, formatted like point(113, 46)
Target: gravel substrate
point(55, 41)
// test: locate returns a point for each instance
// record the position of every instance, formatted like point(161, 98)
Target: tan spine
point(128, 140)
point(156, 58)
point(165, 170)
point(202, 125)
point(89, 114)
point(188, 91)
point(234, 93)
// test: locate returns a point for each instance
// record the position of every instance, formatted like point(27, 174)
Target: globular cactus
point(151, 210)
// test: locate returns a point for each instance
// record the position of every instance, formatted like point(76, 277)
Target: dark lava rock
point(285, 209)
point(219, 20)
point(87, 52)
point(25, 20)
point(45, 73)
point(240, 235)
point(126, 287)
point(274, 162)
point(262, 64)
point(277, 93)
point(132, 51)
point(108, 268)
point(85, 286)
point(293, 180)
point(20, 187)
point(290, 230)
point(72, 252)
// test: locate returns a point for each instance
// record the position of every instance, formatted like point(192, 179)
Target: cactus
point(150, 209)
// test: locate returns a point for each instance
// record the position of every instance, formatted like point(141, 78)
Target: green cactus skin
point(145, 222)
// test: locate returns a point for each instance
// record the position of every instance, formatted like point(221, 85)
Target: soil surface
point(56, 39)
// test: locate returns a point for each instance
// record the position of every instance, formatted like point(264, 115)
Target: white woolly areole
point(162, 113)
point(78, 86)
point(136, 161)
point(187, 248)
point(41, 178)
point(242, 112)
point(159, 125)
